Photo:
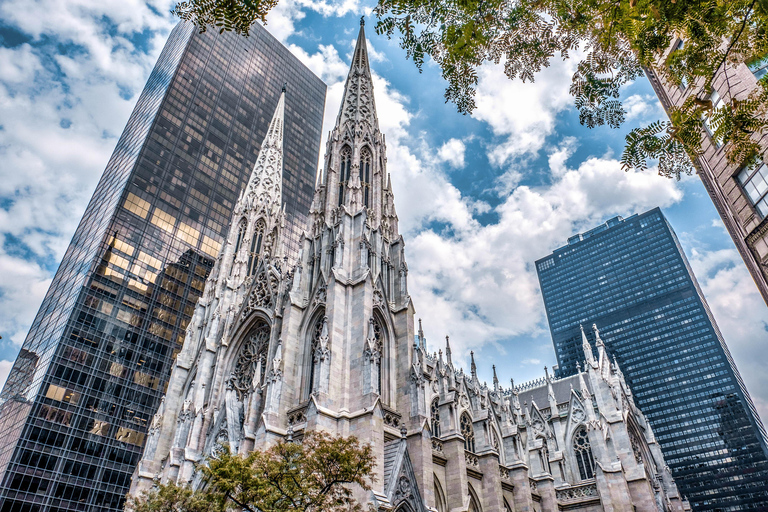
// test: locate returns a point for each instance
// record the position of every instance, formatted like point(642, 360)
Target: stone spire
point(355, 175)
point(265, 186)
point(550, 393)
point(357, 105)
point(257, 217)
point(495, 380)
point(448, 351)
point(603, 361)
point(590, 358)
point(473, 366)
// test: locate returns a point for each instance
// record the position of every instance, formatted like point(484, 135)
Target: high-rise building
point(96, 361)
point(631, 278)
point(739, 194)
point(331, 345)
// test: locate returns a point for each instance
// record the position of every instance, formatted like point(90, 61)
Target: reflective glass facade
point(632, 279)
point(75, 410)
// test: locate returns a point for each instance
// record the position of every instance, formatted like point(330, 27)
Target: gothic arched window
point(365, 174)
point(583, 452)
point(468, 432)
point(434, 411)
point(374, 352)
point(474, 503)
point(240, 234)
point(256, 243)
point(495, 441)
point(319, 351)
point(344, 170)
point(251, 363)
point(544, 456)
point(440, 503)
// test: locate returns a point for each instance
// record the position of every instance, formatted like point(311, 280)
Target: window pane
point(762, 207)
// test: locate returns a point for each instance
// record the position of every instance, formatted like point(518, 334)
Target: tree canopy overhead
point(611, 40)
point(312, 476)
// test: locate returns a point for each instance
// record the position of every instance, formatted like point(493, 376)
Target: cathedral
point(278, 348)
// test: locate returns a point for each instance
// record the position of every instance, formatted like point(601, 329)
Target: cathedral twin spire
point(357, 106)
point(265, 186)
point(355, 162)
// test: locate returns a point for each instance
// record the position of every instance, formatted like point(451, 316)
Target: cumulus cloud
point(282, 19)
point(477, 282)
point(65, 96)
point(5, 369)
point(740, 313)
point(638, 106)
point(521, 115)
point(452, 152)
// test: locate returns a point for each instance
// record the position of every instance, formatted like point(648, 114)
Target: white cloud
point(23, 287)
point(452, 152)
point(5, 369)
point(521, 114)
point(61, 114)
point(534, 362)
point(281, 20)
point(477, 283)
point(639, 106)
point(740, 313)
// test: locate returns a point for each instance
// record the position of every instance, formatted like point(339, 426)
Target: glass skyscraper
point(631, 278)
point(89, 377)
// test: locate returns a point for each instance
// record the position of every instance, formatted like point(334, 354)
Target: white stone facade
point(329, 343)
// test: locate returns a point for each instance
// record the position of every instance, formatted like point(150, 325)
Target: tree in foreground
point(612, 40)
point(315, 475)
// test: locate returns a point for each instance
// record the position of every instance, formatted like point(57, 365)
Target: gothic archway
point(582, 451)
point(365, 174)
point(468, 431)
point(434, 412)
point(440, 501)
point(318, 353)
point(345, 168)
point(251, 362)
point(474, 502)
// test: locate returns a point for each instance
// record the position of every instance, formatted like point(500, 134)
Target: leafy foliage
point(173, 498)
point(314, 475)
point(225, 15)
point(613, 40)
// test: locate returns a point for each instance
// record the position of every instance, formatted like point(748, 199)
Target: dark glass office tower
point(632, 279)
point(89, 377)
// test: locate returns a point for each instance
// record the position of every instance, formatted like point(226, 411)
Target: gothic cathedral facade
point(277, 348)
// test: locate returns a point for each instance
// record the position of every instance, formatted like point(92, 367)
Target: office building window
point(754, 181)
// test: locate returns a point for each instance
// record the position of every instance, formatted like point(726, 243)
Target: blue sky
point(479, 197)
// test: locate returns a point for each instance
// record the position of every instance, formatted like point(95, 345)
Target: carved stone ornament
point(577, 412)
point(378, 298)
point(373, 345)
point(263, 292)
point(320, 349)
point(321, 296)
point(252, 357)
point(222, 440)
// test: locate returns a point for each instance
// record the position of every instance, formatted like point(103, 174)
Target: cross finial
point(362, 21)
point(285, 85)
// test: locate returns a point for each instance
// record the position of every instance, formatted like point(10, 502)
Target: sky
point(479, 197)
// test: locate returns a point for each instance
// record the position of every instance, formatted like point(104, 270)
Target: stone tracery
point(250, 368)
